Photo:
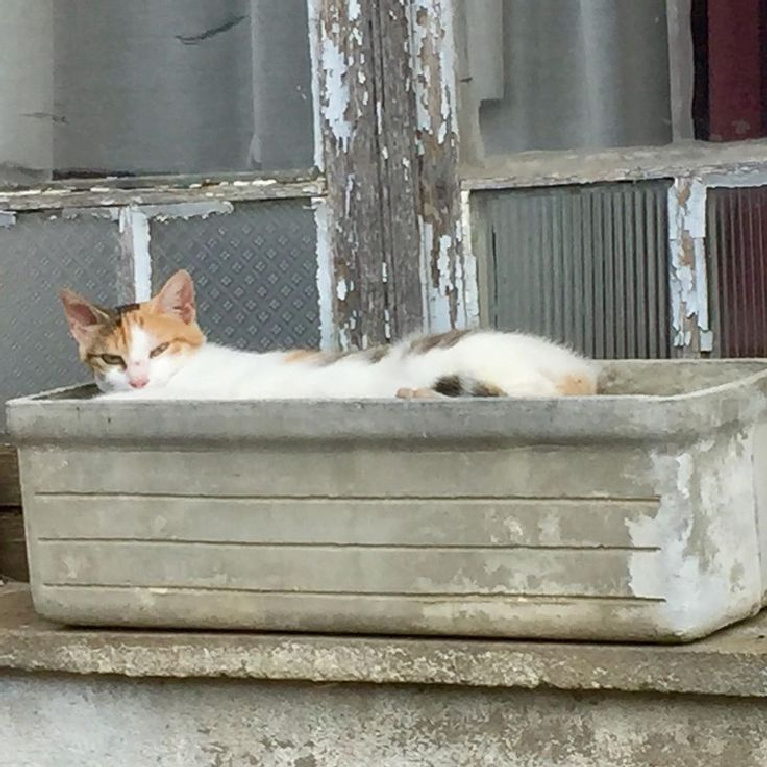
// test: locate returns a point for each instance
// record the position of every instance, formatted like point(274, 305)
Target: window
point(153, 87)
point(145, 135)
point(585, 264)
point(276, 149)
point(553, 75)
point(625, 119)
point(549, 75)
point(299, 156)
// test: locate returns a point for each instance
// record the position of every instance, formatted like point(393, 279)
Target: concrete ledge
point(732, 663)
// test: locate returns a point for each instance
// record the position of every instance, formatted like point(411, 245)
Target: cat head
point(138, 345)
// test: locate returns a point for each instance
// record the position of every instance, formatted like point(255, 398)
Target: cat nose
point(137, 374)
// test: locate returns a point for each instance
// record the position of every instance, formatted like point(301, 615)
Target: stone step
point(126, 698)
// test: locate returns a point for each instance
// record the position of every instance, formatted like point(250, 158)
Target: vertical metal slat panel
point(585, 265)
point(737, 269)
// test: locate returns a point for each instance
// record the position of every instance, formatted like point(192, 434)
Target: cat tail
point(467, 386)
point(574, 385)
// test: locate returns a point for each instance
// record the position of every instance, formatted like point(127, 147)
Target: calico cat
point(155, 350)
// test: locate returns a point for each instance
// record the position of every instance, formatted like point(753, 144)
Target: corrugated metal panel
point(736, 240)
point(585, 265)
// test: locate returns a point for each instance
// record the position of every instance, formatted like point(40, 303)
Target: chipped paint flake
point(688, 278)
point(324, 275)
point(134, 231)
point(187, 210)
point(7, 219)
point(436, 146)
point(441, 285)
point(348, 191)
point(470, 293)
point(434, 49)
point(337, 94)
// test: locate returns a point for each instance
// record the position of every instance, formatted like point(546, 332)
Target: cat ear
point(177, 297)
point(83, 318)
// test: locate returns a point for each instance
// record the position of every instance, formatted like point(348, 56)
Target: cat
point(156, 350)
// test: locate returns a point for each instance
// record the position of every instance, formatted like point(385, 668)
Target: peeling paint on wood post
point(396, 127)
point(134, 273)
point(692, 334)
point(366, 119)
point(347, 106)
point(444, 271)
point(325, 291)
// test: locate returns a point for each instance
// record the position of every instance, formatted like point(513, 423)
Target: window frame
point(377, 213)
point(691, 166)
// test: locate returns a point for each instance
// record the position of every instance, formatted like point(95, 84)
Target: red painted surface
point(735, 69)
point(737, 243)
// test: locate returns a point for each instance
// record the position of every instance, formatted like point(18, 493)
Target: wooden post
point(449, 287)
point(366, 108)
point(692, 335)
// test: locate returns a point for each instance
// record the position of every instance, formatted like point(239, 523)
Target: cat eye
point(113, 359)
point(158, 350)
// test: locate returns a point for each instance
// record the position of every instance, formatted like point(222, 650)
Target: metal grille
point(255, 271)
point(584, 265)
point(737, 262)
point(39, 254)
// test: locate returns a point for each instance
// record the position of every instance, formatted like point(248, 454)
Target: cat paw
point(409, 393)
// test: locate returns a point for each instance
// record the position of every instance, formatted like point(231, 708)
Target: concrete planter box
point(623, 517)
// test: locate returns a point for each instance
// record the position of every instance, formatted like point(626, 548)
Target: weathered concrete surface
point(731, 663)
point(419, 702)
point(93, 722)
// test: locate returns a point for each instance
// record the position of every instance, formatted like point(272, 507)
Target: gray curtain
point(560, 74)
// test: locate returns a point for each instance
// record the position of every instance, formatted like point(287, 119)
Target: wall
point(89, 722)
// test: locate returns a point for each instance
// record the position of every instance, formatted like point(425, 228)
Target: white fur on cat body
point(519, 364)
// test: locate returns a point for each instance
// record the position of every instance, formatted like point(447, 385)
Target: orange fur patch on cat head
point(139, 344)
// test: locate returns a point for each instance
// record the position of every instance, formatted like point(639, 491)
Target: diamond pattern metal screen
point(39, 254)
point(254, 271)
point(585, 265)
